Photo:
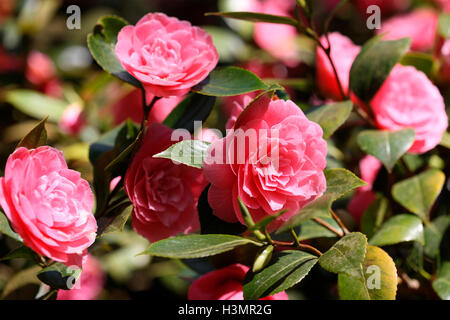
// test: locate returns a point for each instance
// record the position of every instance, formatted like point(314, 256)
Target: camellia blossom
point(224, 284)
point(408, 99)
point(444, 4)
point(89, 284)
point(281, 166)
point(49, 205)
point(167, 55)
point(420, 25)
point(40, 68)
point(364, 196)
point(72, 120)
point(130, 107)
point(343, 53)
point(164, 194)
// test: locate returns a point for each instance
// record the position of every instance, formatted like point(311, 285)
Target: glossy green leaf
point(104, 144)
point(444, 25)
point(346, 255)
point(256, 17)
point(434, 232)
point(59, 276)
point(373, 65)
point(188, 152)
point(230, 81)
point(373, 217)
point(21, 279)
point(386, 146)
point(102, 42)
point(400, 228)
point(115, 221)
point(377, 279)
point(421, 61)
point(195, 107)
point(285, 271)
point(196, 246)
point(442, 282)
point(331, 116)
point(36, 105)
point(418, 194)
point(339, 183)
point(6, 229)
point(21, 252)
point(445, 142)
point(36, 137)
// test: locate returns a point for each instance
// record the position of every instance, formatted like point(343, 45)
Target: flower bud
point(263, 259)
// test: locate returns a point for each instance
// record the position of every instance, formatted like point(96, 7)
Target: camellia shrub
point(287, 152)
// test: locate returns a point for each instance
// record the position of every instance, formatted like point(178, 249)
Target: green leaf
point(36, 137)
point(444, 25)
point(400, 228)
point(339, 183)
point(196, 246)
point(6, 229)
point(434, 233)
point(417, 194)
point(373, 65)
point(330, 117)
point(377, 279)
point(386, 146)
point(256, 17)
point(230, 81)
point(188, 152)
point(59, 276)
point(445, 142)
point(20, 279)
point(102, 42)
point(346, 255)
point(115, 221)
point(373, 217)
point(21, 252)
point(36, 105)
point(195, 107)
point(421, 61)
point(283, 273)
point(442, 282)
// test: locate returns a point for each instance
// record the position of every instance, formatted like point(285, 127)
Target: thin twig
point(328, 226)
point(339, 221)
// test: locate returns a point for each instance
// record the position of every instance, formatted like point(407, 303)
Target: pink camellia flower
point(343, 53)
point(386, 6)
point(364, 196)
point(419, 25)
point(89, 284)
point(277, 39)
point(408, 99)
point(164, 194)
point(49, 205)
point(224, 284)
point(130, 106)
point(167, 55)
point(444, 4)
point(274, 162)
point(40, 68)
point(72, 120)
